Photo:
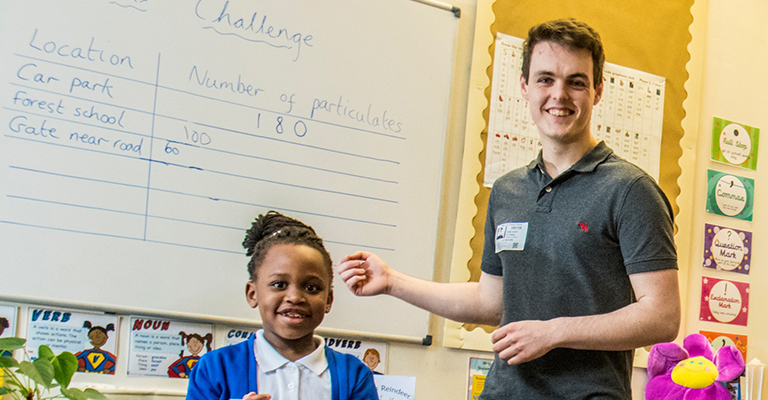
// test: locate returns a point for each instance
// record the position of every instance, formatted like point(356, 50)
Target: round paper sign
point(735, 143)
point(724, 301)
point(727, 249)
point(730, 195)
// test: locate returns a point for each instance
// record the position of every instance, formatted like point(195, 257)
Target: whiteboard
point(140, 138)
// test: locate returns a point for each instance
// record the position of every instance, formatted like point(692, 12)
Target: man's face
point(560, 92)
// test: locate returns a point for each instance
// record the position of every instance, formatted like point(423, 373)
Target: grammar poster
point(724, 301)
point(166, 348)
point(91, 337)
point(730, 195)
point(734, 143)
point(720, 339)
point(727, 249)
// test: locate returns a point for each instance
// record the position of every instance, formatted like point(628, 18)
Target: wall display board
point(734, 143)
point(628, 117)
point(140, 139)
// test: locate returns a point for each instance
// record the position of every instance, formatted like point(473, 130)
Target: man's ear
point(523, 87)
point(598, 93)
point(329, 301)
point(250, 294)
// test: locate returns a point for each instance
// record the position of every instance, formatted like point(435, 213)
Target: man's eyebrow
point(579, 75)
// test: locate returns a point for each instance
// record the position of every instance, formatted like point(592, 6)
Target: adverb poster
point(91, 337)
point(166, 348)
point(727, 249)
point(734, 143)
point(724, 301)
point(730, 195)
point(373, 354)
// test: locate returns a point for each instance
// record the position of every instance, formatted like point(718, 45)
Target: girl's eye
point(278, 285)
point(313, 288)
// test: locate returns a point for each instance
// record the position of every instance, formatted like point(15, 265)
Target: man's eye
point(314, 288)
point(278, 285)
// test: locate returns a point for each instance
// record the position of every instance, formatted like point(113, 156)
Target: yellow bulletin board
point(652, 37)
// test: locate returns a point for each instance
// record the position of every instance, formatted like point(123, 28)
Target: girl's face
point(98, 338)
point(293, 293)
point(195, 346)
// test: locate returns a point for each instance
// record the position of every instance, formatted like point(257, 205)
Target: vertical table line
point(151, 147)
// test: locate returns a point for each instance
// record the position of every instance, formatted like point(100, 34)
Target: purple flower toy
point(691, 372)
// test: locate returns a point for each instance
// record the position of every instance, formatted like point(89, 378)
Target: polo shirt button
point(290, 386)
point(548, 189)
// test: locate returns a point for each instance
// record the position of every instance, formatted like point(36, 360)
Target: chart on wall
point(628, 118)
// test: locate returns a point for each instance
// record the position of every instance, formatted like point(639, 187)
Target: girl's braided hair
point(274, 228)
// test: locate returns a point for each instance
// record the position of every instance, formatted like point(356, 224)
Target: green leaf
point(94, 394)
point(45, 352)
point(64, 366)
point(74, 394)
point(8, 362)
point(11, 343)
point(40, 371)
point(4, 391)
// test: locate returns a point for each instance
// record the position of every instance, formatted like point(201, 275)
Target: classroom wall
point(727, 80)
point(728, 51)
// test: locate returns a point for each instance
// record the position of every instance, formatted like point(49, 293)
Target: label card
point(724, 301)
point(727, 249)
point(730, 195)
point(734, 143)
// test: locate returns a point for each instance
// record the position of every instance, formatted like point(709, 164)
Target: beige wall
point(728, 80)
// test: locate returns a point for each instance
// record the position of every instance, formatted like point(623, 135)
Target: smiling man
point(579, 264)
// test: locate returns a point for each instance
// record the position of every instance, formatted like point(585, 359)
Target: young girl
point(290, 282)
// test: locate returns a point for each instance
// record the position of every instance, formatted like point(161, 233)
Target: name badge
point(511, 236)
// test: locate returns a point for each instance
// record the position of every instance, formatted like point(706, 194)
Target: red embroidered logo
point(583, 227)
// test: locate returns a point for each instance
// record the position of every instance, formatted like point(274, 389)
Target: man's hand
point(365, 274)
point(523, 341)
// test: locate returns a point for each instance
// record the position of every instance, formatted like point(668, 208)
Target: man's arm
point(365, 274)
point(653, 318)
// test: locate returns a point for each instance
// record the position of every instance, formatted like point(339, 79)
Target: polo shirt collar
point(587, 163)
point(270, 360)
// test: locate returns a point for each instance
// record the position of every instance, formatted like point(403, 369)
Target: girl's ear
point(329, 301)
point(251, 295)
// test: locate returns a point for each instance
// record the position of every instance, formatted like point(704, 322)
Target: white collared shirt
point(303, 379)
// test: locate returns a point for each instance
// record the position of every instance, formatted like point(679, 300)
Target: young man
point(579, 265)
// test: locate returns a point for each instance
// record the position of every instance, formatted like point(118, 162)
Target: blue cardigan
point(230, 373)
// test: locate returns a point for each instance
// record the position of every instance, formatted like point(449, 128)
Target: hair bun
point(269, 225)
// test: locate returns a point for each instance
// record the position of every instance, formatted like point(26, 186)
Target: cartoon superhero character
point(371, 358)
point(183, 366)
point(95, 359)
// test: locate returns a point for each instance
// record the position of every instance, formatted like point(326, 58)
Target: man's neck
point(558, 157)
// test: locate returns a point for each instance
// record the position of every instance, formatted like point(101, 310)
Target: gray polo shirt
point(566, 247)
